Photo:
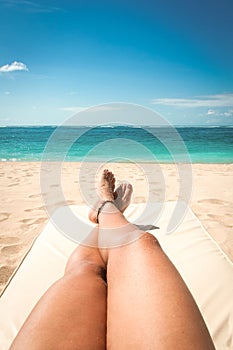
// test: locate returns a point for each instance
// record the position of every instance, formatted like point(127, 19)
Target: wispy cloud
point(29, 6)
point(218, 100)
point(14, 66)
point(228, 113)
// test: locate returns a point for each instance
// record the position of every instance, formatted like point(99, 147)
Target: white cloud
point(14, 66)
point(211, 112)
point(218, 100)
point(228, 113)
point(7, 93)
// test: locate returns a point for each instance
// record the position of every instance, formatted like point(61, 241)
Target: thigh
point(70, 315)
point(149, 305)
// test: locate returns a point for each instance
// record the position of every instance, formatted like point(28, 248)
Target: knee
point(83, 256)
point(86, 267)
point(147, 239)
point(73, 261)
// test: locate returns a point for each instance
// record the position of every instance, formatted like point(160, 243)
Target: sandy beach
point(23, 213)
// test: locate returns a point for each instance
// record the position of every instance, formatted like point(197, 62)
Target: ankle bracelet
point(101, 208)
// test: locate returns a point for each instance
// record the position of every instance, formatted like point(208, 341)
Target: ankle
point(107, 207)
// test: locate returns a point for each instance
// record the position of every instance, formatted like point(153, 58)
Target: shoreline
point(118, 162)
point(23, 214)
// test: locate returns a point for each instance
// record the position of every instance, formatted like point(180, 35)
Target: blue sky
point(173, 56)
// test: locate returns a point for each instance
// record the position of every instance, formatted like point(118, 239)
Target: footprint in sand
point(5, 273)
point(70, 202)
point(225, 219)
point(4, 216)
point(36, 195)
point(11, 249)
point(8, 240)
point(16, 179)
point(26, 221)
point(29, 210)
point(40, 221)
point(14, 184)
point(32, 221)
point(212, 201)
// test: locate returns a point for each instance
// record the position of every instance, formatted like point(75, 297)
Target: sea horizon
point(115, 123)
point(117, 143)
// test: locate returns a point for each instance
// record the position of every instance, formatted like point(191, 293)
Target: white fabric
point(205, 268)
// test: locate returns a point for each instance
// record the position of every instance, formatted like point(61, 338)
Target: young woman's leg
point(149, 305)
point(72, 313)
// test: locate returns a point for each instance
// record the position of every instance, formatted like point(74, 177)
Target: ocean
point(117, 144)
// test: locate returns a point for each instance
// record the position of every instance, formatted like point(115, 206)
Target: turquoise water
point(119, 143)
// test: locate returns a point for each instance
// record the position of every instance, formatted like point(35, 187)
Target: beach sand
point(23, 213)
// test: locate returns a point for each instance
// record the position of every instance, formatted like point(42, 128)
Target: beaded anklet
point(101, 208)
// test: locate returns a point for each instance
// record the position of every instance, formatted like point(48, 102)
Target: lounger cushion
point(204, 267)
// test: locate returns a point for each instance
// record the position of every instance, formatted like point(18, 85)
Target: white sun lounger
point(205, 268)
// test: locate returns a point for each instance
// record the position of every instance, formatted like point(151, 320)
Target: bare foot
point(106, 186)
point(123, 195)
point(105, 190)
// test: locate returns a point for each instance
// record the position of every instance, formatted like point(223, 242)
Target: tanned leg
point(148, 306)
point(71, 315)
